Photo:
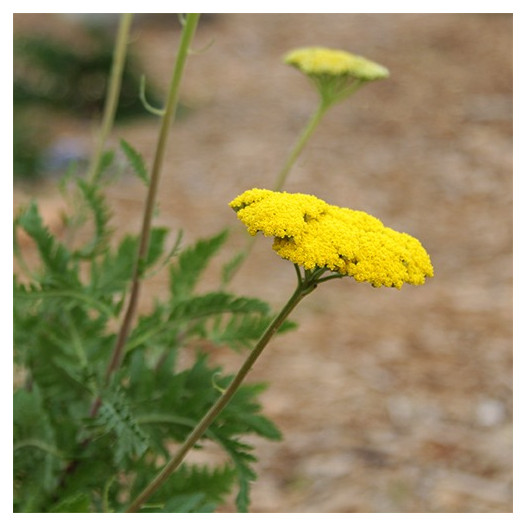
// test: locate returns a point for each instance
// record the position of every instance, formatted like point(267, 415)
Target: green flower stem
point(312, 124)
point(305, 286)
point(112, 95)
point(300, 143)
point(166, 123)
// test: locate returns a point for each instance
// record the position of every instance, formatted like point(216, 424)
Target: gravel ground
point(389, 401)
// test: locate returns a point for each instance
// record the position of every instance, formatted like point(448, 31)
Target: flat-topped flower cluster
point(315, 61)
point(336, 74)
point(313, 234)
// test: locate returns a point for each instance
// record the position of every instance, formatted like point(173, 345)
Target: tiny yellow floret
point(313, 234)
point(314, 61)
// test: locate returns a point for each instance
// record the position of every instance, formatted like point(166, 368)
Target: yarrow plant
point(318, 236)
point(324, 242)
point(104, 402)
point(336, 73)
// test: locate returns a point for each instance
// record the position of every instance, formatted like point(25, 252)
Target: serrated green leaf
point(136, 161)
point(191, 264)
point(215, 303)
point(191, 319)
point(105, 161)
point(112, 274)
point(156, 246)
point(75, 295)
point(163, 326)
point(241, 331)
point(239, 453)
point(115, 415)
point(97, 205)
point(114, 271)
point(55, 256)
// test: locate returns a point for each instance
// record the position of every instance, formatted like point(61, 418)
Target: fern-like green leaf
point(113, 272)
point(115, 415)
point(55, 256)
point(96, 203)
point(242, 459)
point(219, 317)
point(192, 263)
point(136, 161)
point(106, 160)
point(163, 326)
point(156, 246)
point(216, 303)
point(243, 415)
point(240, 331)
point(68, 296)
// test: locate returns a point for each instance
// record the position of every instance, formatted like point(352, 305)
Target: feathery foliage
point(67, 306)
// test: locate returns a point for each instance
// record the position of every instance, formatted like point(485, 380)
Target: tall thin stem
point(300, 144)
point(167, 119)
point(304, 287)
point(112, 93)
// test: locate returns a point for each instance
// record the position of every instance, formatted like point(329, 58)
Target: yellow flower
point(315, 61)
point(316, 235)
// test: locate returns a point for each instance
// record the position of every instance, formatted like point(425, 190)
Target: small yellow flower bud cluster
point(314, 234)
point(314, 61)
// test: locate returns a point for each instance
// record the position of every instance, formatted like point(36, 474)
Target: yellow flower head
point(314, 234)
point(317, 61)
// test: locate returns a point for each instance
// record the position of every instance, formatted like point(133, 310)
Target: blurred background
point(389, 401)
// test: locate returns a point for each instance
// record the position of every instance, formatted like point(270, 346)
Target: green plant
point(103, 400)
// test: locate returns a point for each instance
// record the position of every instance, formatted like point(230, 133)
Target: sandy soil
point(389, 401)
